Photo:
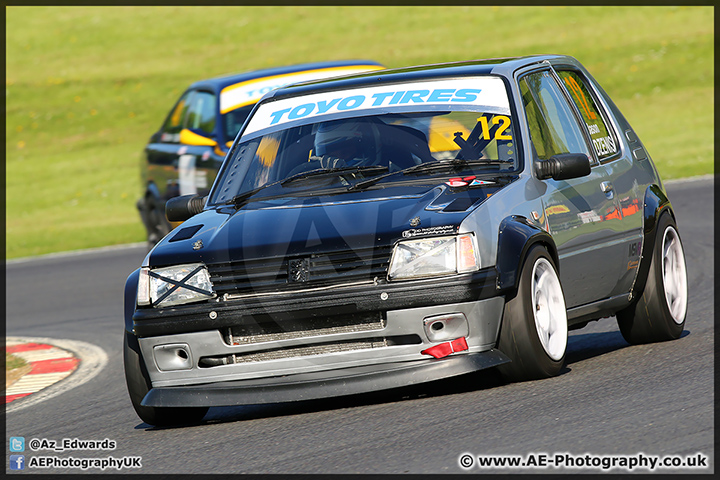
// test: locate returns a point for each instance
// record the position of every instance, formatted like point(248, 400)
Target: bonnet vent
point(185, 233)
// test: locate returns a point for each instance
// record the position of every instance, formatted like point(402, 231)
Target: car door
point(576, 211)
point(621, 184)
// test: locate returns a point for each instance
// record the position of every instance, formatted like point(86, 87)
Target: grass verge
point(85, 87)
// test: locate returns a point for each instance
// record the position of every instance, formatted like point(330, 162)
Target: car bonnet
point(297, 226)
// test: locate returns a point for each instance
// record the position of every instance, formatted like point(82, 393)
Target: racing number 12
point(499, 132)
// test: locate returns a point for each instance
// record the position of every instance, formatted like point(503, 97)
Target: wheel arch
point(656, 203)
point(150, 190)
point(131, 286)
point(516, 236)
point(154, 190)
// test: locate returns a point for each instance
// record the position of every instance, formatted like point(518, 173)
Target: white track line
point(699, 178)
point(75, 253)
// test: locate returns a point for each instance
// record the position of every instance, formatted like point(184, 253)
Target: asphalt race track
point(612, 399)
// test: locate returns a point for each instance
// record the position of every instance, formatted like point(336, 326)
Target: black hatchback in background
point(184, 155)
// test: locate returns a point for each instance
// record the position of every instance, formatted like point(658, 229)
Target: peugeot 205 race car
point(403, 226)
point(184, 156)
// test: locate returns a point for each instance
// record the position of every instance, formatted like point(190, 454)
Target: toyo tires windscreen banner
point(453, 94)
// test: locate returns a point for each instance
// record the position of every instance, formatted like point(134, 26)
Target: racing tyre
point(659, 313)
point(534, 328)
point(138, 384)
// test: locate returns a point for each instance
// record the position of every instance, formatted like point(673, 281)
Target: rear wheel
point(534, 329)
point(659, 313)
point(138, 384)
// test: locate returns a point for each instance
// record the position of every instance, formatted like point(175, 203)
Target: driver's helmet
point(355, 141)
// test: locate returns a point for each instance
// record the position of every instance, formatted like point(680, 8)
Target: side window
point(174, 123)
point(552, 124)
point(603, 139)
point(201, 115)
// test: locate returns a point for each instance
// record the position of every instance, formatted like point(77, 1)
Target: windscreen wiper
point(428, 167)
point(238, 200)
point(334, 171)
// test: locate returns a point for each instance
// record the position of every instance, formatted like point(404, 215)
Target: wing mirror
point(563, 166)
point(179, 209)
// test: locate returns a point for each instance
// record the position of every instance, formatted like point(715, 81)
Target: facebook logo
point(17, 462)
point(17, 444)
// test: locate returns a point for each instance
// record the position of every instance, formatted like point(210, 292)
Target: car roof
point(219, 83)
point(499, 66)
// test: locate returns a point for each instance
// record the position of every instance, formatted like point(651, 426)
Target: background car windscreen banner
point(247, 93)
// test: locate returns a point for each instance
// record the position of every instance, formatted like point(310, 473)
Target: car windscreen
point(339, 139)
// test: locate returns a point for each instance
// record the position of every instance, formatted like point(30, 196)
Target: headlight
point(434, 256)
point(174, 285)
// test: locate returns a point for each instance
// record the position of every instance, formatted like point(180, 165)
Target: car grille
point(299, 272)
point(303, 328)
point(307, 351)
point(273, 275)
point(312, 349)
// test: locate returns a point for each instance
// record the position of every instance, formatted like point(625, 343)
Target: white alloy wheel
point(658, 313)
point(674, 275)
point(549, 309)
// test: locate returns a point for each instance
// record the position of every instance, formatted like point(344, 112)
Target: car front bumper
point(315, 344)
point(317, 363)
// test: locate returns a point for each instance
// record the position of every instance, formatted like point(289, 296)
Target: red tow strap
point(445, 349)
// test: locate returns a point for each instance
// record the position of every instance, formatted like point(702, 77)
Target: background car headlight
point(429, 257)
point(174, 285)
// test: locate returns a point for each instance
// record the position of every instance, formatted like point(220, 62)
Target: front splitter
point(311, 386)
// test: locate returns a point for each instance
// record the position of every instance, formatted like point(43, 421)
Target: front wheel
point(138, 384)
point(659, 313)
point(534, 329)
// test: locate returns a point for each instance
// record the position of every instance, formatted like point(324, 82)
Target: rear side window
point(552, 124)
point(603, 139)
point(201, 116)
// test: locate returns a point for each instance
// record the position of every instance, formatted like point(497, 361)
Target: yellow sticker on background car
point(188, 137)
